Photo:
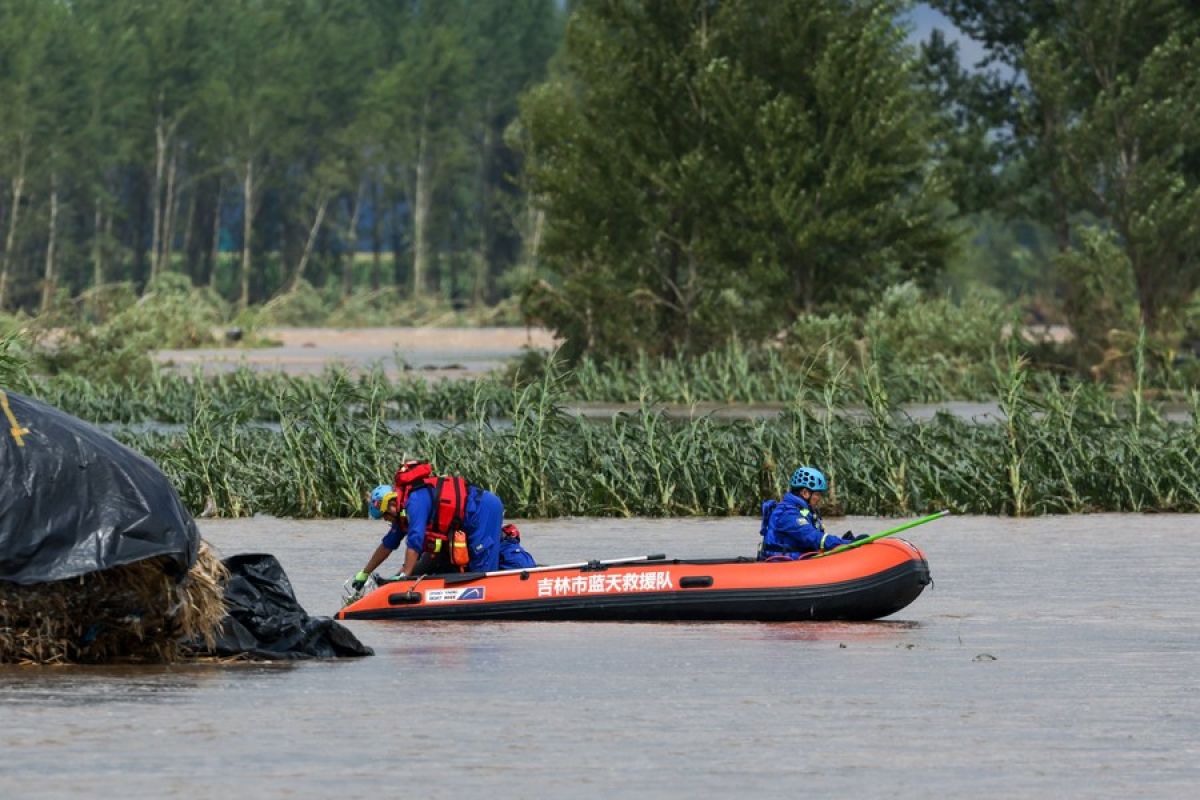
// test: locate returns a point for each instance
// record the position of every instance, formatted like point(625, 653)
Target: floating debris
point(138, 612)
point(100, 562)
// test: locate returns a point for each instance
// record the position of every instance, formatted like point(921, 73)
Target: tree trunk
point(400, 259)
point(10, 238)
point(481, 291)
point(97, 246)
point(215, 251)
point(138, 231)
point(450, 266)
point(1061, 224)
point(322, 202)
point(376, 240)
point(1148, 285)
point(48, 276)
point(189, 223)
point(284, 249)
point(352, 241)
point(160, 159)
point(535, 237)
point(106, 246)
point(247, 231)
point(423, 201)
point(171, 210)
point(1062, 214)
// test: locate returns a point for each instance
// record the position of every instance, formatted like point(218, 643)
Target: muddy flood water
point(1054, 657)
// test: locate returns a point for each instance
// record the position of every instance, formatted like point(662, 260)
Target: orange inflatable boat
point(863, 583)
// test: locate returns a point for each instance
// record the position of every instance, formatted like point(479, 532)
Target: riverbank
point(436, 352)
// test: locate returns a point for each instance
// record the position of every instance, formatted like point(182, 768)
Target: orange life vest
point(444, 528)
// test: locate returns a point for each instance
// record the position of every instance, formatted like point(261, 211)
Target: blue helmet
point(809, 478)
point(381, 495)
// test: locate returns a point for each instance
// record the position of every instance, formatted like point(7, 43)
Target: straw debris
point(134, 613)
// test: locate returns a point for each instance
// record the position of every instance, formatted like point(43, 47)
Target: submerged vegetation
point(1062, 442)
point(907, 348)
point(1054, 450)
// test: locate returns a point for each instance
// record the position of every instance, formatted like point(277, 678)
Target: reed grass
point(854, 376)
point(167, 397)
point(730, 376)
point(1056, 451)
point(14, 364)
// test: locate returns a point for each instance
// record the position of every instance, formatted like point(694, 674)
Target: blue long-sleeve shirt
point(791, 528)
point(483, 517)
point(417, 511)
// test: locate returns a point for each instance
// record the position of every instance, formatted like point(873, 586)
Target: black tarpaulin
point(266, 621)
point(73, 500)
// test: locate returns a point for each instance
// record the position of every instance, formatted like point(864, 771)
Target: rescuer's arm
point(382, 551)
point(410, 560)
point(378, 557)
point(418, 509)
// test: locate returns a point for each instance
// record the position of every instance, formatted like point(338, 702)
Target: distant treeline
point(672, 174)
point(142, 137)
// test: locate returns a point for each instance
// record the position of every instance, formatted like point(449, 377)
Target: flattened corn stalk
point(1055, 451)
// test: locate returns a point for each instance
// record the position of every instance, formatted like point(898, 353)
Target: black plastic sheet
point(73, 500)
point(266, 621)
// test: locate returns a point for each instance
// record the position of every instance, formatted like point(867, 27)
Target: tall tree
point(340, 41)
point(168, 54)
point(312, 109)
point(1103, 111)
point(253, 95)
point(512, 41)
point(25, 39)
point(108, 108)
point(427, 96)
point(1124, 79)
point(709, 168)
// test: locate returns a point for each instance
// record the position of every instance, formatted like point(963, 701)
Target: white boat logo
point(454, 595)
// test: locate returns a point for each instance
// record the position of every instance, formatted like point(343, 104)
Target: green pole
point(875, 536)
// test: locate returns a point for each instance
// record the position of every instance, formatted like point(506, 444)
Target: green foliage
point(1099, 294)
point(1124, 78)
point(302, 305)
point(169, 134)
point(1097, 115)
point(1008, 254)
point(920, 348)
point(109, 333)
point(1057, 452)
point(964, 136)
point(14, 363)
point(390, 307)
point(710, 169)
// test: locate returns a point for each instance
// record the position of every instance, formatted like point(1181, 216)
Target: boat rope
point(14, 427)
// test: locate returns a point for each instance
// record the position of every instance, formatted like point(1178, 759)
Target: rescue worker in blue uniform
point(792, 527)
point(410, 508)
